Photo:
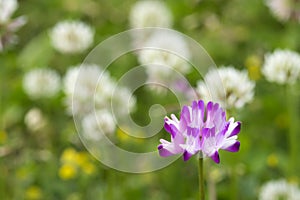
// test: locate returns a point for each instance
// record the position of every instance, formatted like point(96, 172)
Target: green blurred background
point(53, 164)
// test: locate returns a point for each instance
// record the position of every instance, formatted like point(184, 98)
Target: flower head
point(161, 61)
point(281, 9)
point(163, 41)
point(235, 91)
point(282, 66)
point(279, 189)
point(34, 192)
point(71, 36)
point(123, 101)
point(284, 10)
point(150, 14)
point(81, 85)
point(95, 125)
point(41, 83)
point(7, 8)
point(9, 26)
point(34, 119)
point(88, 86)
point(200, 128)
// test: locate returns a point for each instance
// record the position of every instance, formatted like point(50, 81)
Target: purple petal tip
point(215, 157)
point(186, 156)
point(234, 148)
point(163, 152)
point(159, 147)
point(236, 130)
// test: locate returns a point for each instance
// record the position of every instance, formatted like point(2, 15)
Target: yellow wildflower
point(67, 171)
point(253, 64)
point(69, 156)
point(33, 193)
point(23, 173)
point(88, 168)
point(82, 158)
point(3, 137)
point(272, 160)
point(122, 135)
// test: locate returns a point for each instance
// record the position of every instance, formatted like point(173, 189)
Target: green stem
point(201, 179)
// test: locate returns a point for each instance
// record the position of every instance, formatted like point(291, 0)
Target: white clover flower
point(104, 90)
point(236, 89)
point(279, 189)
point(284, 10)
point(281, 9)
point(41, 83)
point(80, 84)
point(88, 87)
point(158, 76)
point(282, 66)
point(123, 101)
point(7, 8)
point(70, 80)
point(150, 13)
point(9, 26)
point(170, 49)
point(71, 37)
point(34, 119)
point(95, 125)
point(170, 52)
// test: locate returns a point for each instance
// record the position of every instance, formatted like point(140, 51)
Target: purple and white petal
point(200, 128)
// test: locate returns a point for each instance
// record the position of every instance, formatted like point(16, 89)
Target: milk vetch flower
point(201, 128)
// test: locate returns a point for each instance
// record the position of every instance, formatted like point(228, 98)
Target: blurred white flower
point(123, 101)
point(9, 26)
point(80, 84)
point(235, 91)
point(41, 83)
point(70, 80)
point(284, 10)
point(169, 52)
point(104, 90)
point(282, 66)
point(158, 77)
point(7, 8)
point(95, 125)
point(71, 36)
point(281, 9)
point(279, 189)
point(150, 13)
point(87, 88)
point(34, 119)
point(170, 49)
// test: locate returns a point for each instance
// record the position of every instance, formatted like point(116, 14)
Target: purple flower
point(200, 128)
